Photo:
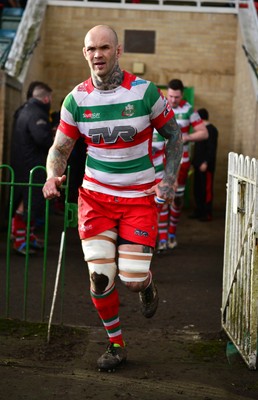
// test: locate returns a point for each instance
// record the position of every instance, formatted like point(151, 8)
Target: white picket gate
point(240, 274)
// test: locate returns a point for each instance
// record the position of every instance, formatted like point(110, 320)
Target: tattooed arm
point(174, 148)
point(56, 164)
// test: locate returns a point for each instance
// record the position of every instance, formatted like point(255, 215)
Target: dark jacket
point(32, 138)
point(206, 150)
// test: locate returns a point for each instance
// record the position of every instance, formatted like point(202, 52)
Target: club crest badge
point(128, 111)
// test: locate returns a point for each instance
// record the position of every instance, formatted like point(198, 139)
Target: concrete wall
point(199, 48)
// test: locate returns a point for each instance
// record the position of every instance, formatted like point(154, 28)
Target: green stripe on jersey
point(108, 112)
point(183, 113)
point(123, 167)
point(159, 168)
point(116, 110)
point(151, 96)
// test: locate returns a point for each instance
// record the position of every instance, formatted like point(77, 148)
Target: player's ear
point(119, 51)
point(84, 52)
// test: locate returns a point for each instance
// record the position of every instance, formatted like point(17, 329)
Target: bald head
point(102, 30)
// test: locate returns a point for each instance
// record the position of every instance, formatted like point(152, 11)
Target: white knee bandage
point(133, 266)
point(100, 247)
point(99, 252)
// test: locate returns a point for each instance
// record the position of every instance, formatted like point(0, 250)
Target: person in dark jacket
point(31, 140)
point(204, 163)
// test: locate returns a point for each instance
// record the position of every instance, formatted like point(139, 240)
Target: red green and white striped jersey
point(117, 127)
point(186, 117)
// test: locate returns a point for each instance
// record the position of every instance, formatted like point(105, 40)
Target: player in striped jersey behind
point(193, 130)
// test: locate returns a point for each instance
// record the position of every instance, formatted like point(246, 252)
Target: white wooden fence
point(240, 275)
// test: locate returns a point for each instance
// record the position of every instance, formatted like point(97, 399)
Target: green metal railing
point(70, 220)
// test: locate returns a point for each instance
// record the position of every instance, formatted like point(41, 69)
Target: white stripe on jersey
point(125, 193)
point(125, 180)
point(118, 155)
point(158, 160)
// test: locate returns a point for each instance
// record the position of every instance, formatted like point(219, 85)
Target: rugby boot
point(149, 300)
point(162, 246)
point(172, 243)
point(112, 358)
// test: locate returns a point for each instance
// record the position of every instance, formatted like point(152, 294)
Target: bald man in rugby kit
point(116, 113)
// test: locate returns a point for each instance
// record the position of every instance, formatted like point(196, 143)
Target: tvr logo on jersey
point(128, 111)
point(126, 133)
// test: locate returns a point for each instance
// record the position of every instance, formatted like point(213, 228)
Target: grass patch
point(25, 329)
point(208, 350)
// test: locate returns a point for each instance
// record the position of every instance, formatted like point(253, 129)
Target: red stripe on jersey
point(163, 118)
point(128, 79)
point(69, 130)
point(86, 86)
point(182, 103)
point(185, 129)
point(196, 123)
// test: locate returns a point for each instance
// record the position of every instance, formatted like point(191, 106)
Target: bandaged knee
point(133, 266)
point(102, 246)
point(99, 252)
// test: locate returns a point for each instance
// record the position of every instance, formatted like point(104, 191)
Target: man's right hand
point(51, 189)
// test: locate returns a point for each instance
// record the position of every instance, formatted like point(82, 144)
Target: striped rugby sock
point(107, 305)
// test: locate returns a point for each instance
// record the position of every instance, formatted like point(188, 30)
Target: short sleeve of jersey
point(161, 112)
point(67, 123)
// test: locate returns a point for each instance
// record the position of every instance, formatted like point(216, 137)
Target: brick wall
point(198, 48)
